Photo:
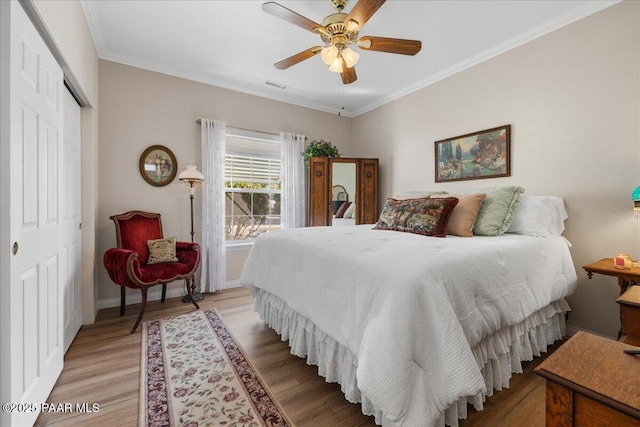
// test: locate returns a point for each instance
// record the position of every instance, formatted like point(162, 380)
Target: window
point(252, 184)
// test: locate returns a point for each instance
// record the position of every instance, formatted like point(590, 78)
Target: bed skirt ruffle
point(498, 355)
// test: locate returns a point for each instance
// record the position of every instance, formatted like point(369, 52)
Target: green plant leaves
point(320, 148)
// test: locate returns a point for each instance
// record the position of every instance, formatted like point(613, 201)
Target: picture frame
point(158, 165)
point(477, 155)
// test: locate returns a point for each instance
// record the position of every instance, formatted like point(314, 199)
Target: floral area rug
point(195, 374)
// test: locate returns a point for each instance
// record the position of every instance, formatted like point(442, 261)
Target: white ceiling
point(234, 44)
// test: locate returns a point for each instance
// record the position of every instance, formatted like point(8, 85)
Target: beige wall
point(572, 99)
point(63, 26)
point(140, 108)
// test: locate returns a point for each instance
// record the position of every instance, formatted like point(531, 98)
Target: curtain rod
point(199, 122)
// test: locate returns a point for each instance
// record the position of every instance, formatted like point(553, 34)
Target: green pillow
point(496, 212)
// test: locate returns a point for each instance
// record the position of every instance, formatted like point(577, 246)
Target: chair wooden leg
point(190, 292)
point(143, 305)
point(164, 292)
point(122, 298)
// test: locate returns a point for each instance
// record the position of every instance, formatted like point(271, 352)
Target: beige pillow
point(464, 214)
point(162, 250)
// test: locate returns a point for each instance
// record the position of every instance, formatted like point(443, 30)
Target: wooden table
point(630, 316)
point(592, 382)
point(605, 266)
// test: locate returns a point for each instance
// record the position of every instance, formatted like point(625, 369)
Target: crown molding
point(537, 32)
point(255, 89)
point(94, 27)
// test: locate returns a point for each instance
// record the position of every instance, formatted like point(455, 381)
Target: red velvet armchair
point(128, 266)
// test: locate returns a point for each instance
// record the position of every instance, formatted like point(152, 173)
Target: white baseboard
point(232, 284)
point(135, 297)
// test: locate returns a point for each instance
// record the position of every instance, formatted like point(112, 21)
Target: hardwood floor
point(102, 366)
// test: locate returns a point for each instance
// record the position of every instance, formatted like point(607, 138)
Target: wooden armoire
point(323, 176)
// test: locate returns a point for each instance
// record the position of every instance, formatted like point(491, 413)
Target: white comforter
point(410, 307)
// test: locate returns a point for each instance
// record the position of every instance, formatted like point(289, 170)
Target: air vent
point(274, 84)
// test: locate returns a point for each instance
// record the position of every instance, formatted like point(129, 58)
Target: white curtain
point(214, 262)
point(293, 200)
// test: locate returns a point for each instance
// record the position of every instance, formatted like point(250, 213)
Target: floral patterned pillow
point(162, 250)
point(424, 215)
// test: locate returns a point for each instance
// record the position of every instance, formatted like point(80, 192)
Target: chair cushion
point(163, 271)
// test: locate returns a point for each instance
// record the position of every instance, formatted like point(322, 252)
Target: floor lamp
point(192, 178)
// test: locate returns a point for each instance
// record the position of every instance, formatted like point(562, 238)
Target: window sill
point(239, 246)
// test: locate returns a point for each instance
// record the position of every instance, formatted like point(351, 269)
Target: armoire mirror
point(338, 197)
point(343, 184)
point(343, 191)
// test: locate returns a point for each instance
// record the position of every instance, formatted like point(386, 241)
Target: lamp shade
point(635, 196)
point(328, 54)
point(336, 65)
point(191, 175)
point(350, 57)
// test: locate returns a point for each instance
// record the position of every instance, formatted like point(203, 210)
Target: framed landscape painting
point(478, 155)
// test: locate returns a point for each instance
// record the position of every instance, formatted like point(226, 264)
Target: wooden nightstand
point(630, 316)
point(626, 277)
point(605, 266)
point(591, 382)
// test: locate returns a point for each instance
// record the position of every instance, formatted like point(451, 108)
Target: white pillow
point(539, 216)
point(350, 212)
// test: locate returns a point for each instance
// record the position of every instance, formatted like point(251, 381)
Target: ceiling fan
point(338, 31)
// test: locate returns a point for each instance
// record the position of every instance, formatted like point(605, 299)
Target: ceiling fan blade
point(289, 15)
point(298, 57)
point(385, 44)
point(349, 74)
point(363, 11)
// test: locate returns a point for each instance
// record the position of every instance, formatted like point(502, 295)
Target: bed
point(413, 327)
point(339, 222)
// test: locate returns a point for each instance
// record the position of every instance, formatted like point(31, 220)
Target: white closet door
point(32, 253)
point(70, 220)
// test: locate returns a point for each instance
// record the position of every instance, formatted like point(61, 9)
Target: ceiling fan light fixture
point(350, 57)
point(336, 65)
point(329, 54)
point(337, 32)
